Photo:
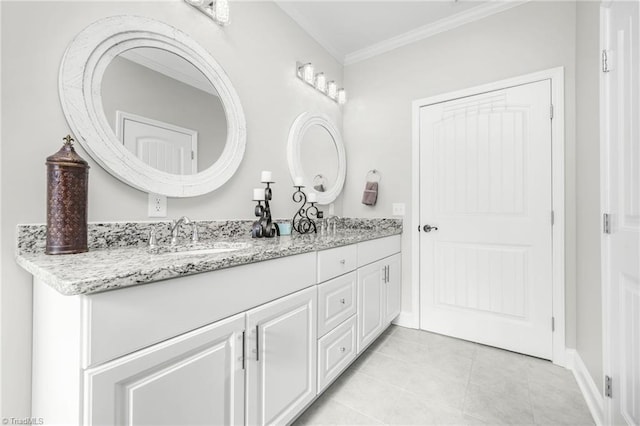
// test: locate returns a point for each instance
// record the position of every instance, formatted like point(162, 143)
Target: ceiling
point(353, 30)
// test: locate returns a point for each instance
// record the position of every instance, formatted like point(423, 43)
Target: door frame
point(122, 117)
point(556, 75)
point(604, 407)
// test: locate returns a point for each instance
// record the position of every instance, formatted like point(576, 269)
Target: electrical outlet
point(398, 209)
point(157, 205)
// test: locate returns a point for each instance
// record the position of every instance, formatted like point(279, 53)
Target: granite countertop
point(118, 256)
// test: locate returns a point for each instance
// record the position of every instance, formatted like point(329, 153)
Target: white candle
point(298, 181)
point(265, 176)
point(312, 197)
point(258, 194)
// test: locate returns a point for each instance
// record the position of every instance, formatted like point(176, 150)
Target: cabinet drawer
point(337, 301)
point(370, 251)
point(336, 351)
point(336, 261)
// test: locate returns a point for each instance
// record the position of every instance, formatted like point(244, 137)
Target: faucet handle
point(194, 235)
point(153, 240)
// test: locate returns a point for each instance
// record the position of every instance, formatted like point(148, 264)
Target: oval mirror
point(316, 153)
point(152, 107)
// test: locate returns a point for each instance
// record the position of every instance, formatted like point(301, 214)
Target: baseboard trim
point(407, 319)
point(595, 400)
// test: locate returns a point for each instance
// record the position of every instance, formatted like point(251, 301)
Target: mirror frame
point(294, 145)
point(81, 71)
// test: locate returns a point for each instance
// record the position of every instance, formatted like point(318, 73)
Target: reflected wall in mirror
point(164, 110)
point(144, 98)
point(316, 153)
point(319, 158)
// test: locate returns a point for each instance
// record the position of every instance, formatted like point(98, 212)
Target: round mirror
point(164, 110)
point(316, 153)
point(152, 107)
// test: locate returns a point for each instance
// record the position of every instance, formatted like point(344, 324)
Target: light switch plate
point(157, 205)
point(398, 209)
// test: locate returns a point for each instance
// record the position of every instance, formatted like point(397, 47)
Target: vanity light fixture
point(342, 96)
point(321, 82)
point(218, 10)
point(305, 72)
point(332, 90)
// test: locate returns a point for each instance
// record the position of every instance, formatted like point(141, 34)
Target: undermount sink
point(195, 249)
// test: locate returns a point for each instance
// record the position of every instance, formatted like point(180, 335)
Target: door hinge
point(551, 112)
point(553, 324)
point(605, 61)
point(606, 223)
point(607, 387)
point(193, 155)
point(553, 218)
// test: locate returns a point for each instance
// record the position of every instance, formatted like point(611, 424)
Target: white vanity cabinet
point(370, 303)
point(195, 379)
point(379, 286)
point(247, 345)
point(392, 287)
point(281, 361)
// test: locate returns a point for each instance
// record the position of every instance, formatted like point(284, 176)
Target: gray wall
point(136, 89)
point(588, 274)
point(258, 51)
point(377, 118)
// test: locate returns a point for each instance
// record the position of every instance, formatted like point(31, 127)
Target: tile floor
point(412, 377)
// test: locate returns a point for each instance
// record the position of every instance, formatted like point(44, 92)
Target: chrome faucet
point(175, 225)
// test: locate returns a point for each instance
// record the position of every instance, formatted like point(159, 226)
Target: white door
point(393, 287)
point(621, 190)
point(193, 379)
point(485, 184)
point(163, 146)
point(370, 303)
point(281, 359)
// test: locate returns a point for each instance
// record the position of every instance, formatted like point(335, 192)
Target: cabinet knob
point(342, 349)
point(343, 261)
point(343, 301)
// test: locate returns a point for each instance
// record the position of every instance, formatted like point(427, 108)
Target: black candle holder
point(264, 227)
point(304, 219)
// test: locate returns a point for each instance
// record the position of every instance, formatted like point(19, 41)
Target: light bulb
point(222, 11)
point(321, 82)
point(307, 72)
point(342, 96)
point(332, 89)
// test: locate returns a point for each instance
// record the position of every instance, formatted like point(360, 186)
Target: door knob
point(429, 228)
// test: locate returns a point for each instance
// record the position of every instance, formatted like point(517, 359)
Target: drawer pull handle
point(342, 261)
point(342, 349)
point(343, 301)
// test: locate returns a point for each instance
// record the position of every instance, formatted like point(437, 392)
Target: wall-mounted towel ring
point(374, 176)
point(370, 195)
point(319, 183)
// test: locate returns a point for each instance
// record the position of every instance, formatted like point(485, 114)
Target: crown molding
point(420, 33)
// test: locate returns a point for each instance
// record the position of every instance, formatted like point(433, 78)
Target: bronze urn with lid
point(67, 187)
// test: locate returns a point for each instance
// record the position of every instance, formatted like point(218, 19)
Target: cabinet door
point(393, 287)
point(196, 379)
point(370, 303)
point(281, 361)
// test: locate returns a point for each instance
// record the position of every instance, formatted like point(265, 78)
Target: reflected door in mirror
point(167, 148)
